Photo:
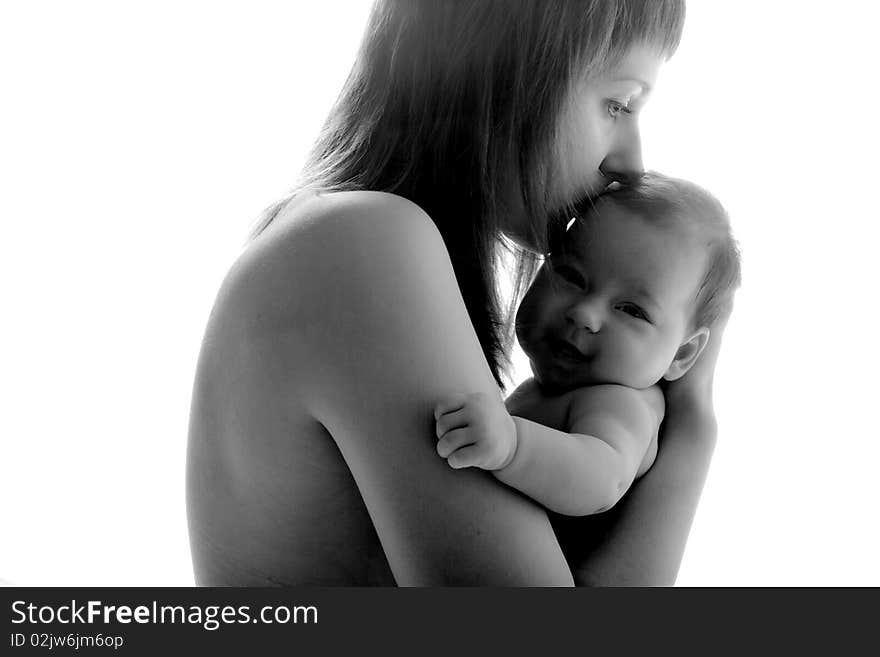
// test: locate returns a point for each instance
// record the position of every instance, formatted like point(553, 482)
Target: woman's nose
point(624, 162)
point(586, 315)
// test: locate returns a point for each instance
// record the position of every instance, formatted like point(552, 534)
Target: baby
point(628, 300)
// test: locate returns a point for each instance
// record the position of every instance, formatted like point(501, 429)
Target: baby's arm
point(580, 472)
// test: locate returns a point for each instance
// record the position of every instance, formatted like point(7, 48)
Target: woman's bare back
point(276, 508)
point(277, 505)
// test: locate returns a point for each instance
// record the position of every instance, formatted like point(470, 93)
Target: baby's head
point(631, 295)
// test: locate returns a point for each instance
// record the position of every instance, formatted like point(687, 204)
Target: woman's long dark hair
point(454, 105)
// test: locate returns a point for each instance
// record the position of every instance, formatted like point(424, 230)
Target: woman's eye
point(616, 108)
point(634, 310)
point(570, 275)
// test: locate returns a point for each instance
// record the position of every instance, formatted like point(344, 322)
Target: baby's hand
point(475, 430)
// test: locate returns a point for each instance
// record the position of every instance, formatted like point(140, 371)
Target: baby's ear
point(687, 354)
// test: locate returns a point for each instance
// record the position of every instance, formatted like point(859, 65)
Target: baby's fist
point(475, 430)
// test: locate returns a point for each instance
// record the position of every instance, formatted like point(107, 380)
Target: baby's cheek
point(648, 368)
point(624, 371)
point(627, 364)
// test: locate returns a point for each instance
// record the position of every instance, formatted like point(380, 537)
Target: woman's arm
point(641, 541)
point(361, 298)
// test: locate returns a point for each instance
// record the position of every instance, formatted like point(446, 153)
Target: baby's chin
point(554, 379)
point(557, 380)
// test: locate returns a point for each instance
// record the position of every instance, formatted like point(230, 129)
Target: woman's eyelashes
point(616, 108)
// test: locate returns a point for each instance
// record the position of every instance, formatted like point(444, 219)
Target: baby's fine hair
point(660, 198)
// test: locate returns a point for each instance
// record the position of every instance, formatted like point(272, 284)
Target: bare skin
point(296, 472)
point(641, 540)
point(300, 471)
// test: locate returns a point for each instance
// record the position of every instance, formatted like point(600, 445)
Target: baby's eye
point(616, 108)
point(570, 274)
point(634, 310)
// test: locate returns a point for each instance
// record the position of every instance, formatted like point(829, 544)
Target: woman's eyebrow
point(645, 87)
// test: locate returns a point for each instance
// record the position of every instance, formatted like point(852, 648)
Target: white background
point(138, 140)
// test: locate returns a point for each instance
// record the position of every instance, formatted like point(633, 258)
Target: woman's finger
point(452, 441)
point(697, 383)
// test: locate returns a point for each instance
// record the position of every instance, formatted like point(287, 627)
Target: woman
point(371, 293)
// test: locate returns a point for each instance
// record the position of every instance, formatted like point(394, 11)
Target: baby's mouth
point(564, 351)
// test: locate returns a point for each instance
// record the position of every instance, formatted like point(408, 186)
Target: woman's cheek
point(580, 154)
point(591, 148)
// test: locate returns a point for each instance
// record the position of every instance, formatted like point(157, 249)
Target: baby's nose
point(586, 315)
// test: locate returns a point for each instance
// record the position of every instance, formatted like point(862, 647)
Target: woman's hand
point(693, 391)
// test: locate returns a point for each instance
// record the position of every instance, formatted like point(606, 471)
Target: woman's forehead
point(639, 64)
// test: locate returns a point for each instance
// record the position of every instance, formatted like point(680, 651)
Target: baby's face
point(614, 306)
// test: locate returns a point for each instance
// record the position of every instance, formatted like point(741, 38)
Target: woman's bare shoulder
point(332, 241)
point(366, 218)
point(339, 282)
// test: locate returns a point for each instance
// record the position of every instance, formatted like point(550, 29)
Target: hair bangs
point(656, 22)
